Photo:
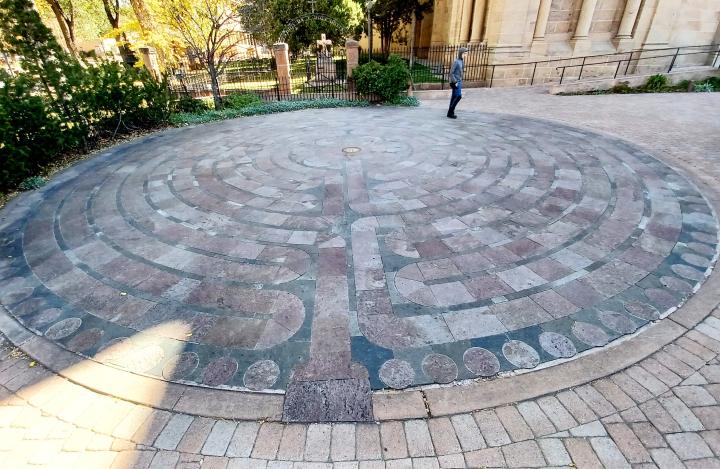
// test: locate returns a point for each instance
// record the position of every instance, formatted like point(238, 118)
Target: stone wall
point(529, 30)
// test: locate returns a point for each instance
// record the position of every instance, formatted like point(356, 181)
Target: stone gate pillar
point(581, 39)
point(280, 51)
point(352, 52)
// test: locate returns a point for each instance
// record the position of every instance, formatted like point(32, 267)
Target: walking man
point(456, 76)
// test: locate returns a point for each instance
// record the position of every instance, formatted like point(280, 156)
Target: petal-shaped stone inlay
point(181, 366)
point(220, 371)
point(642, 310)
point(557, 345)
point(85, 340)
point(590, 334)
point(696, 260)
point(674, 283)
point(64, 328)
point(261, 375)
point(520, 354)
point(481, 362)
point(440, 368)
point(397, 374)
point(617, 322)
point(688, 272)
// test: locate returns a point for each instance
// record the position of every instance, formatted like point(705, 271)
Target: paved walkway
point(403, 266)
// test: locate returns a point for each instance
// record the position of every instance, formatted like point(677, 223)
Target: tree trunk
point(214, 84)
point(66, 27)
point(143, 15)
point(146, 25)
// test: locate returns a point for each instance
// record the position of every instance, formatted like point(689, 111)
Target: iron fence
point(311, 77)
point(430, 66)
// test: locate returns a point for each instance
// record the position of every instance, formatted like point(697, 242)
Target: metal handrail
point(638, 59)
point(584, 59)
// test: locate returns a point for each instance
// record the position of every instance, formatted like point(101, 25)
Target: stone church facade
point(519, 30)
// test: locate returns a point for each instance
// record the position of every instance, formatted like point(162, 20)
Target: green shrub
point(656, 82)
point(682, 85)
point(241, 100)
point(189, 104)
point(33, 182)
point(382, 82)
point(56, 104)
point(715, 82)
point(622, 88)
point(262, 108)
point(31, 135)
point(704, 87)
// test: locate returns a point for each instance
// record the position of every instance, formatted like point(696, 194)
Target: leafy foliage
point(300, 24)
point(705, 87)
point(57, 105)
point(262, 108)
point(388, 15)
point(31, 183)
point(386, 82)
point(656, 82)
point(241, 100)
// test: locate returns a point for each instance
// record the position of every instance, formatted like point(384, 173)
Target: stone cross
point(312, 5)
point(323, 44)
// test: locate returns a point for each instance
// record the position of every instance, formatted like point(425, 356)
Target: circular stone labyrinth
point(383, 244)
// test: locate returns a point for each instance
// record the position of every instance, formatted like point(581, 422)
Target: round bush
point(385, 82)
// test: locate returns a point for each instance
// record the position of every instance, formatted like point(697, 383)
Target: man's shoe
point(452, 116)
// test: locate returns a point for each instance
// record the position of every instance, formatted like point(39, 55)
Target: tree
point(112, 11)
point(209, 30)
point(66, 20)
point(301, 22)
point(388, 15)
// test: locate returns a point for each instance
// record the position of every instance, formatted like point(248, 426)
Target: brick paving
point(660, 412)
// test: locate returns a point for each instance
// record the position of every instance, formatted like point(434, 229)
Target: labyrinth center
point(382, 244)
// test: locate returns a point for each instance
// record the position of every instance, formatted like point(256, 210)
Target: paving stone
point(648, 435)
point(292, 443)
point(554, 451)
point(467, 432)
point(367, 437)
point(582, 453)
point(589, 429)
point(165, 459)
point(559, 416)
point(425, 463)
point(523, 454)
point(219, 439)
point(681, 413)
point(601, 406)
point(712, 438)
point(491, 428)
point(694, 396)
point(317, 443)
point(513, 423)
point(243, 439)
point(608, 452)
point(488, 457)
point(709, 417)
point(418, 437)
point(659, 417)
point(535, 418)
point(689, 446)
point(173, 432)
point(342, 447)
point(267, 441)
point(576, 406)
point(631, 447)
point(195, 436)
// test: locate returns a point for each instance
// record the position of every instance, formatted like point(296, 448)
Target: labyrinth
point(389, 246)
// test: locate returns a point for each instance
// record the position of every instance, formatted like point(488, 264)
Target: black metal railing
point(605, 65)
point(430, 66)
point(311, 77)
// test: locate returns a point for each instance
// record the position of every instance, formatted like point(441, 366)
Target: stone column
point(466, 20)
point(478, 21)
point(581, 39)
point(280, 51)
point(623, 39)
point(539, 46)
point(352, 54)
